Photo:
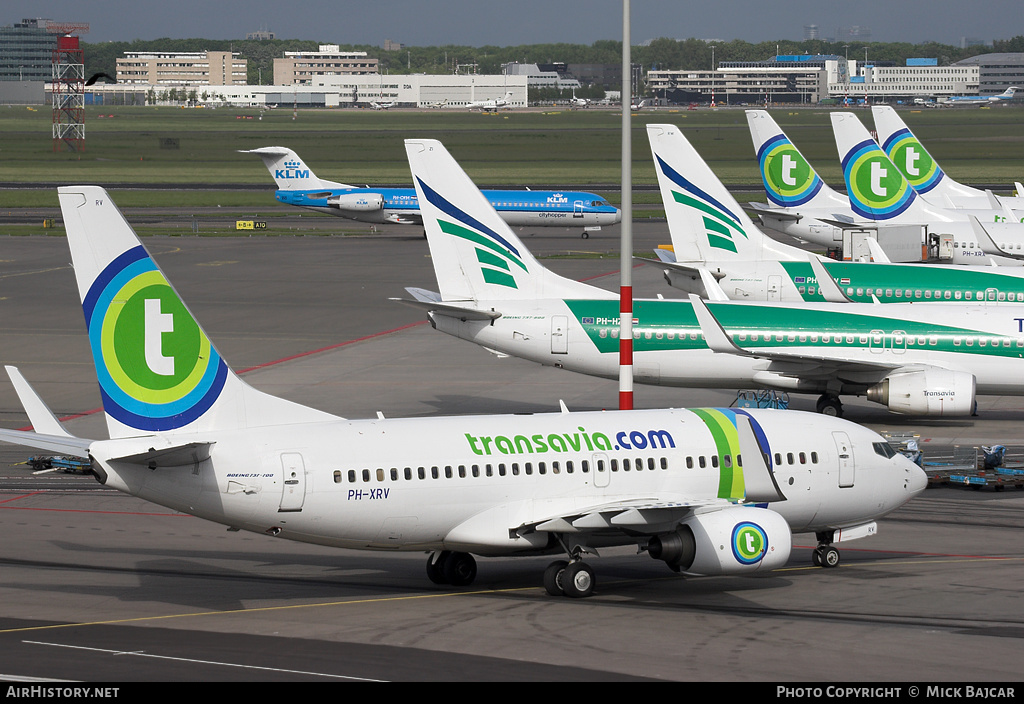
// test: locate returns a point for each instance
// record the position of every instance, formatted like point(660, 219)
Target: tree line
point(661, 54)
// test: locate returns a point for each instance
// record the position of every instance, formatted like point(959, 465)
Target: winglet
point(712, 288)
point(39, 415)
point(878, 254)
point(985, 241)
point(714, 334)
point(758, 480)
point(826, 284)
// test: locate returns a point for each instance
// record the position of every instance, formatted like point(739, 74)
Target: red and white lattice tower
point(68, 90)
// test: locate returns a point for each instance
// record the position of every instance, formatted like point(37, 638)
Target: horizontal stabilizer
point(664, 255)
point(175, 456)
point(845, 223)
point(430, 302)
point(765, 211)
point(61, 444)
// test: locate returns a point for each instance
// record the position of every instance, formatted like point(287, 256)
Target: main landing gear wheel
point(572, 579)
point(455, 568)
point(585, 236)
point(830, 405)
point(553, 577)
point(825, 556)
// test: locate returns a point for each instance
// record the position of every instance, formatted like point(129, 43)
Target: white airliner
point(708, 491)
point(381, 106)
point(803, 206)
point(926, 175)
point(490, 105)
point(579, 102)
point(913, 359)
point(718, 252)
point(982, 99)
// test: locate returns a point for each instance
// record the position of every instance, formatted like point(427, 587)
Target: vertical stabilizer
point(789, 180)
point(476, 255)
point(157, 369)
point(914, 161)
point(705, 221)
point(876, 188)
point(289, 171)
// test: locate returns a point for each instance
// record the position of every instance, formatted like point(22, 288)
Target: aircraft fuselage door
point(559, 334)
point(294, 490)
point(844, 450)
point(577, 209)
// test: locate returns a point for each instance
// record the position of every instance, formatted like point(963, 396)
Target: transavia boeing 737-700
point(298, 185)
point(716, 248)
point(803, 206)
point(914, 359)
point(710, 492)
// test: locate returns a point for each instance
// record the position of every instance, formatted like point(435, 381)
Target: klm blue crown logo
point(292, 169)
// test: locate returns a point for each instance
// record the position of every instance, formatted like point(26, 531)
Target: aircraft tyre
point(553, 577)
point(830, 405)
point(578, 580)
point(826, 556)
point(460, 569)
point(435, 567)
point(585, 235)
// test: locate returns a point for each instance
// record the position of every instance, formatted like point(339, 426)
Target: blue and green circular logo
point(749, 543)
point(913, 161)
point(156, 368)
point(788, 179)
point(877, 190)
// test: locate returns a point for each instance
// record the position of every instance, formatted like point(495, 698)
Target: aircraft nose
point(917, 480)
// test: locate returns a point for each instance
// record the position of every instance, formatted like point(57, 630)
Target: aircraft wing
point(637, 515)
point(804, 365)
point(652, 515)
point(432, 303)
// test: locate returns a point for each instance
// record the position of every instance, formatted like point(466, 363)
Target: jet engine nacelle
point(735, 540)
point(932, 392)
point(357, 202)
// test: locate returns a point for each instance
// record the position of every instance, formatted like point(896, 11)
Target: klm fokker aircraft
point(803, 206)
point(187, 433)
point(914, 359)
point(713, 237)
point(925, 174)
point(298, 185)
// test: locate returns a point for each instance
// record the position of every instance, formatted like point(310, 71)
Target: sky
point(516, 22)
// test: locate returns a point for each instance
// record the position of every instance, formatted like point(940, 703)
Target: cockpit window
point(884, 449)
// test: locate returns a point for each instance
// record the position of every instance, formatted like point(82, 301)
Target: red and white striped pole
point(626, 285)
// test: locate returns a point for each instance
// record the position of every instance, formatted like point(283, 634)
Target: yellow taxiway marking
point(354, 602)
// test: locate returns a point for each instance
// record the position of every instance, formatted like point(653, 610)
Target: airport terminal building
point(812, 79)
point(332, 91)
